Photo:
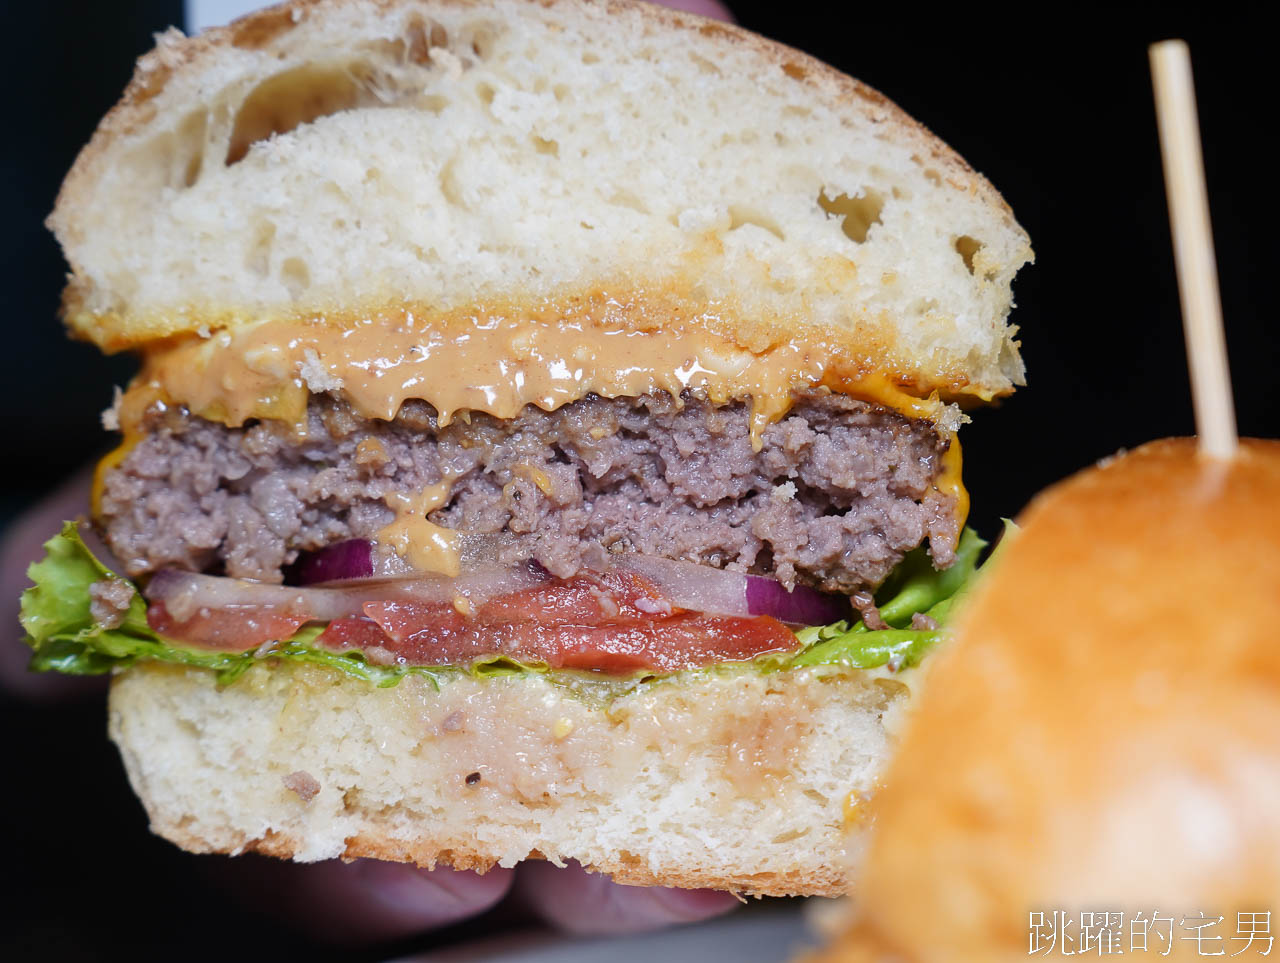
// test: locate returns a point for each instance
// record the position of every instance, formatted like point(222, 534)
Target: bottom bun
point(729, 779)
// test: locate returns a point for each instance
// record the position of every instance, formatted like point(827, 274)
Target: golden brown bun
point(1104, 734)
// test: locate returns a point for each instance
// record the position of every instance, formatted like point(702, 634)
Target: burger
point(1094, 765)
point(544, 442)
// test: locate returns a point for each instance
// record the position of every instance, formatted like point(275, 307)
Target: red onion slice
point(342, 560)
point(350, 574)
point(185, 593)
point(800, 606)
point(701, 588)
point(359, 558)
point(688, 585)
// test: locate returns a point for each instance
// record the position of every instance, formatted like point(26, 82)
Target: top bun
point(339, 157)
point(1104, 733)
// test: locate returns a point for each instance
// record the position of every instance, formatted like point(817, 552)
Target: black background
point(1052, 103)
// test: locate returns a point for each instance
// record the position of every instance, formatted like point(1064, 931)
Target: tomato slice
point(685, 641)
point(614, 622)
point(352, 632)
point(435, 635)
point(236, 628)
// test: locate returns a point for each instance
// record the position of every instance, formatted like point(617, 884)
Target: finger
point(364, 901)
point(22, 546)
point(703, 8)
point(591, 904)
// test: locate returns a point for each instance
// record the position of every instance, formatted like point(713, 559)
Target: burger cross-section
point(490, 420)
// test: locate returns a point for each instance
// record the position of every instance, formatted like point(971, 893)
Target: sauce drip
point(428, 547)
point(493, 365)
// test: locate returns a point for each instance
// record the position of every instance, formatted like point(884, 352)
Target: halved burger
point(545, 437)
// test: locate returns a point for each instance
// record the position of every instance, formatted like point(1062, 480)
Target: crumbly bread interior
point(339, 156)
point(728, 779)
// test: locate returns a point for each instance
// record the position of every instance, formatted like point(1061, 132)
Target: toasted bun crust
point(731, 780)
point(1104, 734)
point(342, 157)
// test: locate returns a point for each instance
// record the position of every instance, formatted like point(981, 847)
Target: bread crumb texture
point(341, 156)
point(732, 780)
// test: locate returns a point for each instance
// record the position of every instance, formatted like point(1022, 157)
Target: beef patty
point(839, 492)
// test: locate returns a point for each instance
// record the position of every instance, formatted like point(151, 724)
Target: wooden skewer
point(1193, 248)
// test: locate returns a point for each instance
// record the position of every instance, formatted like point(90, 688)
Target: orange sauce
point(495, 364)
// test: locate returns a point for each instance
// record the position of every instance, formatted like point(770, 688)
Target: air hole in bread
point(449, 185)
point(624, 198)
point(424, 255)
point(189, 146)
point(967, 247)
point(858, 213)
point(258, 258)
point(923, 306)
point(296, 277)
point(192, 173)
point(704, 65)
point(930, 173)
point(590, 58)
point(482, 38)
point(740, 215)
point(420, 36)
point(175, 157)
point(417, 42)
point(544, 146)
point(485, 92)
point(790, 835)
point(293, 98)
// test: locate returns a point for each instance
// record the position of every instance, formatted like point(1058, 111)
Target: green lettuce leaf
point(914, 586)
point(65, 637)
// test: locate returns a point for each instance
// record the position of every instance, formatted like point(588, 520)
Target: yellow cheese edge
point(109, 461)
